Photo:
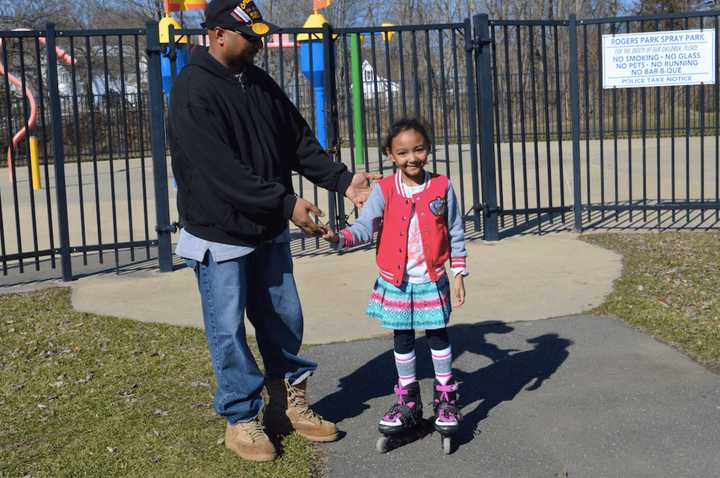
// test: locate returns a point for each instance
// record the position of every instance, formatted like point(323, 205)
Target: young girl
point(420, 228)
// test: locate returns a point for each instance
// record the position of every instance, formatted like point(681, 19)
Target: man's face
point(239, 48)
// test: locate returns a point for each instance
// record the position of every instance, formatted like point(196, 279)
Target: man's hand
point(330, 235)
point(459, 289)
point(301, 217)
point(359, 188)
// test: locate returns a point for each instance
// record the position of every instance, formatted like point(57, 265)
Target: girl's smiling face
point(409, 151)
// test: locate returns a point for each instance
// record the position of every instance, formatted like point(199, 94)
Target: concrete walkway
point(521, 278)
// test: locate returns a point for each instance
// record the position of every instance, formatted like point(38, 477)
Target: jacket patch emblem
point(438, 206)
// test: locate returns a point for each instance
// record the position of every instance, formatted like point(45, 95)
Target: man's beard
point(240, 63)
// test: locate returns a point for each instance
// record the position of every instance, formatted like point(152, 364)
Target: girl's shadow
point(498, 382)
point(504, 379)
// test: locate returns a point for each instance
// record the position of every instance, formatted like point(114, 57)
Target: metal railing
point(81, 96)
point(100, 128)
point(520, 123)
point(566, 146)
point(420, 71)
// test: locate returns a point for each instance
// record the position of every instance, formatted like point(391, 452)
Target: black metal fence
point(520, 123)
point(408, 70)
point(83, 96)
point(659, 160)
point(630, 158)
point(83, 113)
point(100, 123)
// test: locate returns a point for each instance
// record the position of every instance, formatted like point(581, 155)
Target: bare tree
point(652, 7)
point(286, 14)
point(37, 13)
point(147, 9)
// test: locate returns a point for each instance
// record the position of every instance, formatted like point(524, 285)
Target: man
point(235, 139)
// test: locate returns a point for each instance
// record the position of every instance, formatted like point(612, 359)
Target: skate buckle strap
point(401, 392)
point(444, 390)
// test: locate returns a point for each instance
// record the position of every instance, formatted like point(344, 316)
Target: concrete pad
point(521, 278)
point(147, 296)
point(570, 397)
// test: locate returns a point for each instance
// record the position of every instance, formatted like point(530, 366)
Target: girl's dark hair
point(406, 124)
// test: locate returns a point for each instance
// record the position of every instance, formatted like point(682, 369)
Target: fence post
point(58, 153)
point(485, 111)
point(575, 111)
point(172, 52)
point(336, 204)
point(471, 88)
point(157, 130)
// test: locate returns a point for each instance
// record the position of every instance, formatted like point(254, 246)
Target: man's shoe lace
point(255, 430)
point(296, 396)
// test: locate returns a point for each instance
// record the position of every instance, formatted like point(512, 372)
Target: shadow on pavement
point(510, 372)
point(506, 377)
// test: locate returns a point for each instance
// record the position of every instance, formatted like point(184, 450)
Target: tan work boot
point(249, 441)
point(288, 410)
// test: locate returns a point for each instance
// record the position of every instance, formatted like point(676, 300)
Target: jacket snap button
point(404, 218)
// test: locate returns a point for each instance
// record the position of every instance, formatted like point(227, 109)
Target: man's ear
point(220, 36)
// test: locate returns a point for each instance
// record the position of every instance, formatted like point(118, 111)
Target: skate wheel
point(382, 444)
point(447, 445)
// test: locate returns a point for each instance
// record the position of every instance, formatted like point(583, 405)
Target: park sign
point(670, 58)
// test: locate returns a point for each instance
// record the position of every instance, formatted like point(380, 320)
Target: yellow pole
point(35, 163)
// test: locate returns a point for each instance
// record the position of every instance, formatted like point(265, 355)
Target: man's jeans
point(261, 283)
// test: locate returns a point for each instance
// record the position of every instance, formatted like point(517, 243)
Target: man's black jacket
point(234, 146)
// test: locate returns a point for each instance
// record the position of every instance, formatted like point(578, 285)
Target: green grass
point(670, 288)
point(87, 395)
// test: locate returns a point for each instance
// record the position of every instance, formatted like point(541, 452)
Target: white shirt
point(416, 267)
point(192, 247)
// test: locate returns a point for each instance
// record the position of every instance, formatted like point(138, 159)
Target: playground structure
point(26, 130)
point(313, 67)
point(173, 58)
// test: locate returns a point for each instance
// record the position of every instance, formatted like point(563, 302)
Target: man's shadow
point(510, 372)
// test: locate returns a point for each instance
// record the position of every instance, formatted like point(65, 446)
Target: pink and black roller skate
point(447, 415)
point(403, 422)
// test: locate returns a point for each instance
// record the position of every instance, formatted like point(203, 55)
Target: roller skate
point(447, 416)
point(403, 422)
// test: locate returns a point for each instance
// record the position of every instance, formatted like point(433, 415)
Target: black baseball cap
point(238, 15)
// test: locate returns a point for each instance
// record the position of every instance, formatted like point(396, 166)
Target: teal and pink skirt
point(411, 306)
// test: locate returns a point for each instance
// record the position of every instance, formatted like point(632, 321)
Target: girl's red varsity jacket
point(389, 210)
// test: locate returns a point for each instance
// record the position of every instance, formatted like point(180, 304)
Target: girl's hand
point(459, 290)
point(330, 235)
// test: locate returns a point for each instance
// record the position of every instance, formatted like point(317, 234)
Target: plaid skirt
point(411, 306)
